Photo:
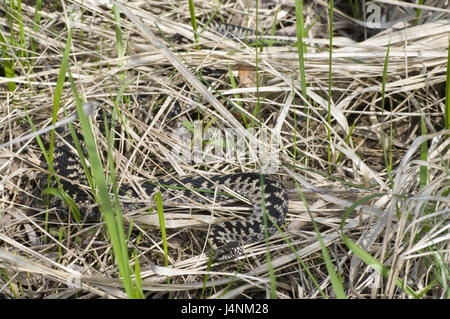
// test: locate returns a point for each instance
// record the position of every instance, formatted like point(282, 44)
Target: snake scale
point(265, 194)
point(226, 238)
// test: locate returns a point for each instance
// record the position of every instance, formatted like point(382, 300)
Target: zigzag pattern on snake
point(262, 191)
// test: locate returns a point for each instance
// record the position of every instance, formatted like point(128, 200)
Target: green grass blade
point(334, 278)
point(61, 194)
point(257, 110)
point(56, 101)
point(37, 21)
point(111, 214)
point(162, 224)
point(300, 260)
point(423, 170)
point(208, 268)
point(300, 47)
point(418, 12)
point(216, 9)
point(330, 81)
point(115, 229)
point(193, 22)
point(23, 40)
point(363, 255)
point(119, 41)
point(139, 292)
point(447, 92)
point(237, 96)
point(11, 285)
point(7, 63)
point(387, 157)
point(354, 4)
point(109, 133)
point(59, 88)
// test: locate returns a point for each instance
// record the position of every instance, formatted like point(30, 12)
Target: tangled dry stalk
point(363, 150)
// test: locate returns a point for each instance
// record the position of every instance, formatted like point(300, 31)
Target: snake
point(267, 195)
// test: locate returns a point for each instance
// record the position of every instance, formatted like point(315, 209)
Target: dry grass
point(406, 227)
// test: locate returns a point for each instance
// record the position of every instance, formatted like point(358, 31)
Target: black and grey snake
point(263, 192)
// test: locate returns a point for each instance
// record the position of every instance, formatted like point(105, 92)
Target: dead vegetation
point(362, 144)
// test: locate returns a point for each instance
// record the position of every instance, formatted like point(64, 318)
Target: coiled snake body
point(263, 192)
